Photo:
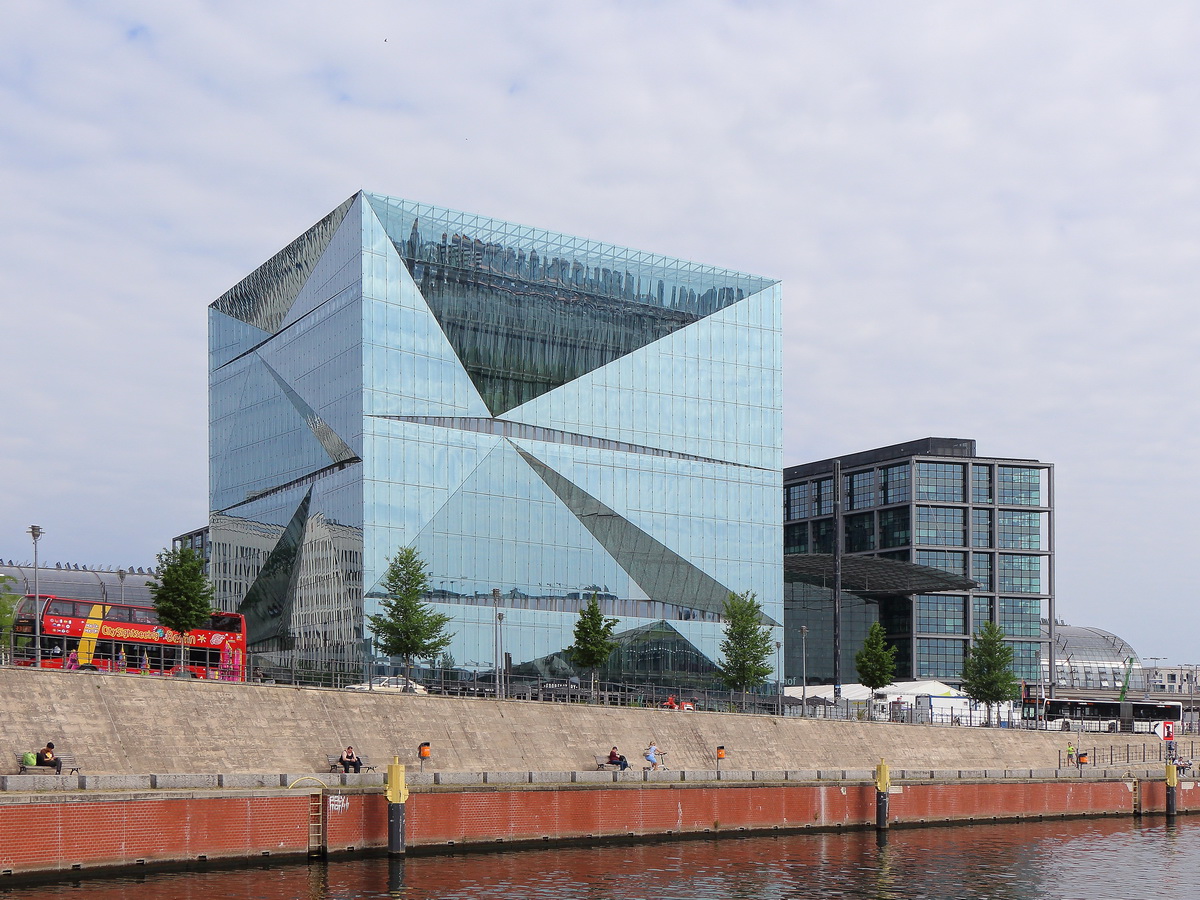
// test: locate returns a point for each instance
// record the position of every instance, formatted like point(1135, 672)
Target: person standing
point(1070, 753)
point(653, 756)
point(350, 758)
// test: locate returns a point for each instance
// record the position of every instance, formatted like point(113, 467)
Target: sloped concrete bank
point(132, 725)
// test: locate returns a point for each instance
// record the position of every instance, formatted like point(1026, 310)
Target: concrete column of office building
point(937, 540)
point(543, 418)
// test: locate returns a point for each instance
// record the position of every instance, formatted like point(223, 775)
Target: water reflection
point(1088, 860)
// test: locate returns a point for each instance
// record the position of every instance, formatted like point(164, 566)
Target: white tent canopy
point(903, 690)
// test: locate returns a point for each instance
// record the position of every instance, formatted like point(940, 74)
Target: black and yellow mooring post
point(397, 796)
point(883, 784)
point(1172, 784)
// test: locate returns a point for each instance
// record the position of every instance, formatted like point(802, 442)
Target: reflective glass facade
point(542, 417)
point(937, 504)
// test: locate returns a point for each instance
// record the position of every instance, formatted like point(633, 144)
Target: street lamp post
point(36, 531)
point(497, 638)
point(121, 573)
point(779, 676)
point(804, 668)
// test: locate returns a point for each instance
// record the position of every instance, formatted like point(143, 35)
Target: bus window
point(227, 623)
point(60, 608)
point(119, 614)
point(145, 616)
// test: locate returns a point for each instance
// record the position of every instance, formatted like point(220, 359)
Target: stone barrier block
point(239, 780)
point(802, 774)
point(411, 777)
point(1043, 773)
point(552, 777)
point(993, 773)
point(830, 774)
point(736, 775)
point(1069, 772)
point(971, 773)
point(364, 779)
point(458, 778)
point(770, 775)
point(506, 778)
point(175, 782)
point(859, 774)
point(40, 782)
point(663, 775)
point(1017, 773)
point(699, 774)
point(601, 776)
point(118, 782)
point(913, 774)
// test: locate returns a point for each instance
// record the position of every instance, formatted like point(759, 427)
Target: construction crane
point(1125, 683)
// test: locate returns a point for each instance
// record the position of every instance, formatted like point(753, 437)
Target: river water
point(1093, 859)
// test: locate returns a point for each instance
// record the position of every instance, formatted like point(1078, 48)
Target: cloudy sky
point(984, 215)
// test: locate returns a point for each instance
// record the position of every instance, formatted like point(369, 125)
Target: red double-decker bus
point(120, 637)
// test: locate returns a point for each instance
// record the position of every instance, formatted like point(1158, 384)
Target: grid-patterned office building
point(934, 503)
point(543, 418)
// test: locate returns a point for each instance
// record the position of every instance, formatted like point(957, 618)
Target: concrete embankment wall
point(128, 724)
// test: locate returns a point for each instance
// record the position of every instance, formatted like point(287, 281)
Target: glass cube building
point(933, 503)
point(543, 418)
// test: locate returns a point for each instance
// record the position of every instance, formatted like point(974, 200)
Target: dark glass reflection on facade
point(935, 503)
point(543, 418)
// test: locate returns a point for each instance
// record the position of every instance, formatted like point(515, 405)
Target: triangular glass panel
point(708, 398)
point(662, 573)
point(527, 313)
point(268, 605)
point(263, 297)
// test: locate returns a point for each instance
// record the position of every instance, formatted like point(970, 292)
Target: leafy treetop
point(408, 628)
point(747, 646)
point(183, 596)
point(987, 670)
point(876, 661)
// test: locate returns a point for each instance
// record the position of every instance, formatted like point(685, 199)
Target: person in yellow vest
point(1070, 753)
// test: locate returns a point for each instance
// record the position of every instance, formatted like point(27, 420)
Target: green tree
point(183, 596)
point(876, 662)
point(408, 628)
point(8, 605)
point(593, 639)
point(987, 669)
point(747, 646)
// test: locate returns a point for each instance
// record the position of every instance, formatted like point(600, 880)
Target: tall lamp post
point(121, 573)
point(804, 669)
point(778, 677)
point(36, 531)
point(498, 639)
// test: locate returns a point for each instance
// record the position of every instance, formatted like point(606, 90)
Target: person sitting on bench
point(350, 758)
point(46, 757)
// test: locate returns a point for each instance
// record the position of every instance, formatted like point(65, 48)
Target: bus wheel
point(88, 669)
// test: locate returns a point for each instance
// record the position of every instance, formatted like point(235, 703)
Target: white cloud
point(985, 218)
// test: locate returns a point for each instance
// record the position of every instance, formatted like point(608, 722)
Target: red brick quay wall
point(47, 834)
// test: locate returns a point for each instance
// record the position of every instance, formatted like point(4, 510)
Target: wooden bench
point(335, 763)
point(68, 765)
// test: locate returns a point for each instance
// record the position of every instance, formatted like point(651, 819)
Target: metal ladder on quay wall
point(316, 824)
